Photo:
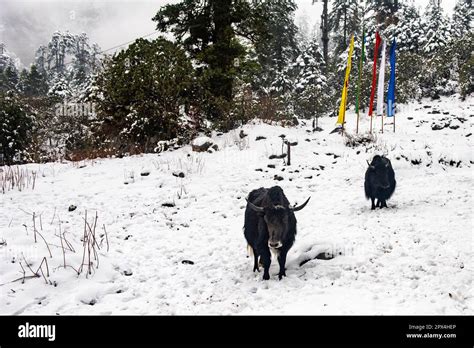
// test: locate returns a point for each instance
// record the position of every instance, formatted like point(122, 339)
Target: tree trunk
point(325, 32)
point(345, 24)
point(223, 59)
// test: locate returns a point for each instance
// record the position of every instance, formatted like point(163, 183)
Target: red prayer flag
point(378, 40)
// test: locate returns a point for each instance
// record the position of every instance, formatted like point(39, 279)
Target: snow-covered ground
point(413, 258)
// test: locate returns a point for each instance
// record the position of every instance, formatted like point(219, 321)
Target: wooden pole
point(382, 123)
point(357, 127)
point(361, 64)
point(289, 153)
point(394, 123)
point(371, 124)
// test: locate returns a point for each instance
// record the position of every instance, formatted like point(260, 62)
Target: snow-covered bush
point(16, 129)
point(363, 139)
point(139, 96)
point(409, 72)
point(448, 71)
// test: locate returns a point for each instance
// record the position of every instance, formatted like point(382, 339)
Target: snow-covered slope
point(413, 258)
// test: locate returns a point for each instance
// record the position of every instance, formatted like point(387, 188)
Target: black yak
point(379, 181)
point(270, 226)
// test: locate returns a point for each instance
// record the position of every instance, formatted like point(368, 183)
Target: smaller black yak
point(270, 227)
point(379, 181)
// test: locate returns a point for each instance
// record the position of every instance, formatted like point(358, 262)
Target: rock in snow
point(203, 144)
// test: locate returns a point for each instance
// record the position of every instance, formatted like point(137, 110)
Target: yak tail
point(249, 250)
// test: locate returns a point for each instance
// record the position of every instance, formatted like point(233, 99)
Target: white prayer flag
point(380, 87)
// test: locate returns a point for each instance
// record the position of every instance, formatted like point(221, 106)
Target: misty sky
point(27, 24)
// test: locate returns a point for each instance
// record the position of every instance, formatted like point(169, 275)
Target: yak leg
point(373, 204)
point(281, 262)
point(378, 203)
point(266, 260)
point(384, 204)
point(255, 261)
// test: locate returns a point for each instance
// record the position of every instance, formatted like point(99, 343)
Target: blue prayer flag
point(391, 84)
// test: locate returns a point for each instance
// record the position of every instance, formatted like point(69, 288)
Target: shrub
point(16, 129)
point(355, 140)
point(142, 94)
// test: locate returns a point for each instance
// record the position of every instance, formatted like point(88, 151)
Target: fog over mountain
point(27, 24)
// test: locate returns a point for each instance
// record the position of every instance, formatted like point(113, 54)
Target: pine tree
point(345, 19)
point(381, 17)
point(311, 84)
point(9, 75)
point(35, 84)
point(407, 30)
point(436, 25)
point(462, 18)
point(5, 58)
point(140, 92)
point(9, 78)
point(82, 60)
point(277, 51)
point(15, 129)
point(60, 89)
point(41, 60)
point(208, 30)
point(384, 10)
point(60, 45)
point(22, 81)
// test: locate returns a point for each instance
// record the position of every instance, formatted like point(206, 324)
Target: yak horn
point(298, 208)
point(254, 207)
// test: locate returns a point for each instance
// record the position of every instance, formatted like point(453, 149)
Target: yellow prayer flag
point(342, 108)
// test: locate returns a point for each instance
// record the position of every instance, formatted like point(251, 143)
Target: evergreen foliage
point(462, 18)
point(141, 92)
point(311, 83)
point(436, 26)
point(16, 128)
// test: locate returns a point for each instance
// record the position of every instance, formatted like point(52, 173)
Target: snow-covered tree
point(279, 50)
point(437, 29)
point(8, 58)
point(381, 16)
point(9, 78)
point(60, 45)
point(384, 9)
point(68, 58)
point(407, 29)
point(311, 84)
point(140, 93)
point(344, 20)
point(462, 18)
point(35, 84)
point(60, 89)
point(9, 75)
point(86, 59)
point(17, 122)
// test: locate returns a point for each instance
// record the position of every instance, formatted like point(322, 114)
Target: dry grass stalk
point(90, 246)
point(16, 177)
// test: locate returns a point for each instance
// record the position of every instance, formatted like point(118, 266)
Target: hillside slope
point(413, 258)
